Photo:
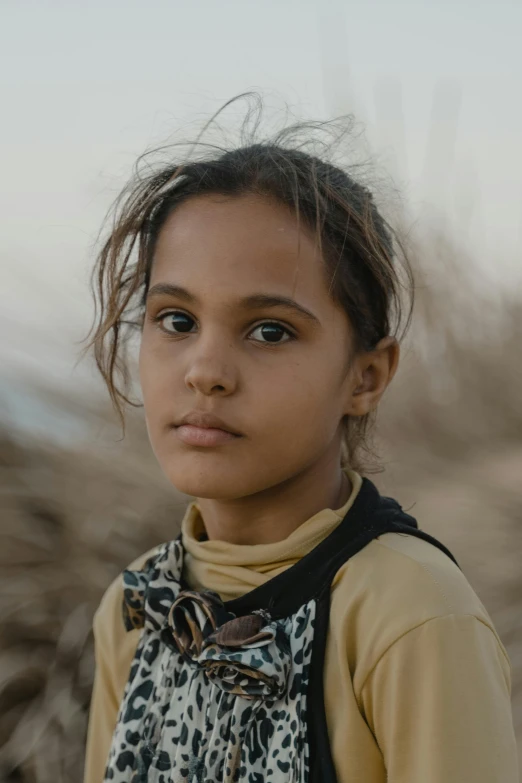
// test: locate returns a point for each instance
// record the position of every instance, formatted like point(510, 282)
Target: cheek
point(300, 402)
point(156, 378)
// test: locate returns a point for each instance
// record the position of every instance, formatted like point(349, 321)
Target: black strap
point(386, 517)
point(370, 516)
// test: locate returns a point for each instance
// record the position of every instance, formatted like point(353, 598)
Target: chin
point(205, 476)
point(225, 474)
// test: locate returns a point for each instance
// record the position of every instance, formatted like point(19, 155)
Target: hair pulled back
point(365, 263)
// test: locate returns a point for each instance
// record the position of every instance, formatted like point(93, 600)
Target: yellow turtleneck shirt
point(417, 682)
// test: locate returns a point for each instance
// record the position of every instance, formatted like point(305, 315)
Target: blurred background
point(84, 90)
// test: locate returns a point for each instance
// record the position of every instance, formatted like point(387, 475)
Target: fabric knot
point(193, 617)
point(246, 656)
point(258, 670)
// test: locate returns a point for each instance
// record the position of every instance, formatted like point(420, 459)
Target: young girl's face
point(239, 324)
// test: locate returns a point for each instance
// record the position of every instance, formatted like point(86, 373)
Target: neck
point(274, 513)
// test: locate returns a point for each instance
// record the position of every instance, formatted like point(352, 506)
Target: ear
point(372, 372)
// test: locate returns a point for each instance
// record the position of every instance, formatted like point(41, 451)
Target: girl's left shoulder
point(396, 584)
point(402, 572)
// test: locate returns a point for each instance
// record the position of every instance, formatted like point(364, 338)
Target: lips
point(204, 429)
point(206, 421)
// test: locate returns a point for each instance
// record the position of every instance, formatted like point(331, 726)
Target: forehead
point(240, 245)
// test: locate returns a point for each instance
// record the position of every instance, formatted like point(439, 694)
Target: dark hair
point(363, 256)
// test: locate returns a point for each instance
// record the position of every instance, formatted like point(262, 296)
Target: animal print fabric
point(198, 711)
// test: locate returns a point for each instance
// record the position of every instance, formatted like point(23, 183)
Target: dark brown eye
point(271, 332)
point(176, 323)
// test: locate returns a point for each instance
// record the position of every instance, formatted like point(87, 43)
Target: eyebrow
point(251, 302)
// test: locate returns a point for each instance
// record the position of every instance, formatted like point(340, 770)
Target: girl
point(301, 629)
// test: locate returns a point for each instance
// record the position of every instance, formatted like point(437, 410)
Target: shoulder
point(114, 648)
point(398, 570)
point(113, 643)
point(394, 585)
point(112, 599)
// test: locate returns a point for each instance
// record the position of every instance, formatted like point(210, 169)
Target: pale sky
point(86, 87)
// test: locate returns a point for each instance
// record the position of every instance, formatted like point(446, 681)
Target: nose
point(211, 371)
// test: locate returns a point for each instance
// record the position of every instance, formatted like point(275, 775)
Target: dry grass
point(70, 523)
point(452, 439)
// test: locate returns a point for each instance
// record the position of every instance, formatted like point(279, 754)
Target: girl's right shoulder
point(113, 643)
point(113, 597)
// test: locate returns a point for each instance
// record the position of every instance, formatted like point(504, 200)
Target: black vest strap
point(383, 515)
point(370, 516)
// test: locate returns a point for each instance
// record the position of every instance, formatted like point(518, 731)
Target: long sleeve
point(438, 703)
point(114, 650)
